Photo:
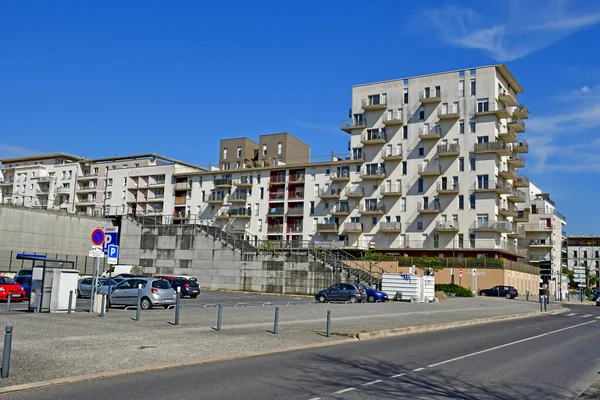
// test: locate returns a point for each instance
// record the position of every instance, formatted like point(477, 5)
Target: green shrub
point(456, 290)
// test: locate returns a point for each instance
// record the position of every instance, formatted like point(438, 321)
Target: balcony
point(507, 98)
point(87, 176)
point(499, 148)
point(86, 202)
point(276, 212)
point(517, 232)
point(87, 188)
point(447, 226)
point(522, 216)
point(507, 209)
point(492, 186)
point(238, 197)
point(7, 182)
point(372, 209)
point(340, 210)
point(215, 198)
point(277, 196)
point(330, 193)
point(223, 183)
point(516, 196)
point(541, 243)
point(240, 213)
point(183, 185)
point(342, 175)
point(448, 150)
point(507, 135)
point(295, 228)
point(157, 198)
point(447, 188)
point(277, 179)
point(353, 227)
point(492, 108)
point(449, 112)
point(492, 226)
point(430, 96)
point(156, 184)
point(392, 154)
point(295, 212)
point(181, 201)
point(63, 190)
point(391, 190)
point(395, 118)
point(430, 132)
point(42, 192)
point(521, 112)
point(296, 196)
point(328, 228)
point(516, 160)
point(390, 227)
point(429, 208)
point(505, 171)
point(355, 192)
point(179, 216)
point(521, 181)
point(45, 179)
point(352, 124)
point(275, 229)
point(516, 124)
point(430, 170)
point(244, 181)
point(297, 178)
point(536, 258)
point(223, 214)
point(372, 173)
point(521, 147)
point(539, 227)
point(376, 102)
point(373, 137)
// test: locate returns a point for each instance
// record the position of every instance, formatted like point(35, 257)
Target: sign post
point(98, 237)
point(113, 254)
point(111, 234)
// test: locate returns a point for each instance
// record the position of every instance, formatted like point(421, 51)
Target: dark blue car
point(25, 282)
point(374, 295)
point(350, 292)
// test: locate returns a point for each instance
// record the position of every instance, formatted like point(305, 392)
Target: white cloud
point(10, 151)
point(511, 29)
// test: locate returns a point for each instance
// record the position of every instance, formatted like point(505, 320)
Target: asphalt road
point(551, 356)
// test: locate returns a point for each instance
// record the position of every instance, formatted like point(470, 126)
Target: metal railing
point(447, 225)
point(433, 131)
point(329, 227)
point(391, 190)
point(390, 226)
point(330, 191)
point(353, 226)
point(183, 185)
point(492, 225)
point(340, 209)
point(452, 109)
point(373, 136)
point(223, 182)
point(353, 123)
point(378, 171)
point(393, 116)
point(491, 146)
point(277, 196)
point(431, 206)
point(297, 211)
point(374, 101)
point(430, 95)
point(277, 179)
point(372, 207)
point(447, 187)
point(430, 168)
point(448, 148)
point(276, 211)
point(392, 152)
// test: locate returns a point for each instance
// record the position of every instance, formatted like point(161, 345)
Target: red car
point(9, 286)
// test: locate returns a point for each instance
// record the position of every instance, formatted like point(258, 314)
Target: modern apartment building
point(583, 251)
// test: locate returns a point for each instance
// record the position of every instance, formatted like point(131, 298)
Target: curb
point(355, 337)
point(592, 392)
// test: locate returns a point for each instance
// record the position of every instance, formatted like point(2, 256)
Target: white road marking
point(397, 375)
point(597, 317)
point(571, 314)
point(372, 383)
point(586, 316)
point(315, 398)
point(344, 390)
point(418, 369)
point(508, 344)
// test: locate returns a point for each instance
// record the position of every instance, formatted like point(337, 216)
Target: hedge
point(456, 290)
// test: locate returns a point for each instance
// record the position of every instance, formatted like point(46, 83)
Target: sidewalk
point(56, 346)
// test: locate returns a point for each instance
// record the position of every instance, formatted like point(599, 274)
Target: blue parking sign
point(111, 237)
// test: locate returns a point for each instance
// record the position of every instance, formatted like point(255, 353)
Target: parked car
point(342, 292)
point(24, 272)
point(189, 285)
point(595, 294)
point(374, 295)
point(117, 270)
point(84, 287)
point(9, 287)
point(25, 282)
point(155, 292)
point(500, 291)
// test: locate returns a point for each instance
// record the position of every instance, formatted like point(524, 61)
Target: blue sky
point(121, 77)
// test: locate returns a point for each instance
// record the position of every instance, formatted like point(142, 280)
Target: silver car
point(84, 287)
point(155, 292)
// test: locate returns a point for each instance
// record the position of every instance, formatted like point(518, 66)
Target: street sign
point(98, 237)
point(96, 254)
point(112, 237)
point(460, 272)
point(113, 254)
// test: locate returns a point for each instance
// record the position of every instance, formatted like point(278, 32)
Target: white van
point(116, 270)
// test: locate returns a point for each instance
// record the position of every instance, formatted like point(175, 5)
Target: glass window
point(161, 284)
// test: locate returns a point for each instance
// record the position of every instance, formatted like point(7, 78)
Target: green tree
point(374, 255)
point(430, 263)
point(569, 274)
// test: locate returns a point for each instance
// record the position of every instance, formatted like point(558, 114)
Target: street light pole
point(452, 271)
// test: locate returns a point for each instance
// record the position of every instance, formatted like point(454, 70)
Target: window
point(405, 132)
point(238, 165)
point(422, 113)
point(312, 207)
point(137, 165)
point(403, 204)
point(420, 185)
point(575, 253)
point(473, 125)
point(70, 174)
point(374, 221)
point(597, 255)
point(404, 167)
point(123, 195)
point(461, 202)
point(225, 153)
point(419, 223)
point(461, 88)
point(461, 73)
point(585, 254)
point(125, 181)
point(483, 182)
point(262, 193)
point(256, 208)
point(473, 87)
point(483, 105)
point(472, 163)
point(109, 182)
point(279, 148)
point(421, 151)
point(108, 195)
point(259, 227)
point(225, 166)
point(327, 171)
point(239, 152)
point(472, 201)
point(405, 95)
point(461, 126)
point(461, 164)
point(264, 152)
point(472, 72)
point(461, 240)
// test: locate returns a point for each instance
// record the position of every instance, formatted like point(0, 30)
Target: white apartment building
point(583, 251)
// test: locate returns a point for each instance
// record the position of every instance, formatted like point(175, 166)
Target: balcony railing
point(539, 257)
point(63, 190)
point(43, 179)
point(430, 169)
point(541, 242)
point(506, 171)
point(296, 196)
point(521, 112)
point(372, 208)
point(367, 173)
point(275, 229)
point(375, 103)
point(539, 227)
point(500, 148)
point(351, 124)
point(296, 211)
point(517, 231)
point(277, 196)
point(238, 196)
point(327, 227)
point(297, 178)
point(355, 192)
point(183, 185)
point(516, 124)
point(522, 216)
point(277, 179)
point(450, 112)
point(392, 153)
point(391, 190)
point(492, 108)
point(215, 198)
point(433, 207)
point(394, 118)
point(516, 196)
point(521, 181)
point(340, 209)
point(507, 98)
point(276, 211)
point(244, 181)
point(330, 192)
point(521, 146)
point(492, 226)
point(223, 182)
point(507, 209)
point(390, 226)
point(517, 160)
point(295, 228)
point(501, 187)
point(449, 226)
point(430, 132)
point(341, 175)
point(353, 227)
point(373, 137)
point(180, 200)
point(447, 187)
point(240, 212)
point(430, 96)
point(445, 150)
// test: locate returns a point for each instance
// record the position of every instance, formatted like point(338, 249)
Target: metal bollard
point(8, 302)
point(177, 297)
point(541, 306)
point(103, 305)
point(70, 308)
point(219, 317)
point(139, 303)
point(527, 294)
point(276, 323)
point(545, 305)
point(6, 354)
point(328, 331)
